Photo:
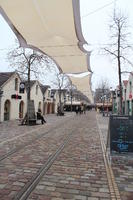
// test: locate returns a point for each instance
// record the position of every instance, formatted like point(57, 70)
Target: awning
point(84, 85)
point(53, 27)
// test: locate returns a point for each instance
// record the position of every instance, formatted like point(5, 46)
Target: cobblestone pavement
point(122, 165)
point(12, 135)
point(19, 168)
point(77, 173)
point(9, 129)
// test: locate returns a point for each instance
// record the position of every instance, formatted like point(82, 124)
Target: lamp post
point(71, 97)
point(43, 105)
point(64, 100)
point(103, 98)
point(71, 103)
point(114, 102)
point(125, 101)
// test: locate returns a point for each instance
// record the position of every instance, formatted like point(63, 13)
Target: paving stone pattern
point(12, 135)
point(122, 165)
point(79, 171)
point(19, 168)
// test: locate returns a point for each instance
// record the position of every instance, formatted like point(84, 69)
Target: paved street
point(122, 165)
point(62, 159)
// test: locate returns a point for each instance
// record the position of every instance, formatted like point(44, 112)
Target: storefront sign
point(15, 96)
point(121, 133)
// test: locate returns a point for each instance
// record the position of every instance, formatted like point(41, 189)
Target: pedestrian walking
point(76, 110)
point(82, 108)
point(79, 109)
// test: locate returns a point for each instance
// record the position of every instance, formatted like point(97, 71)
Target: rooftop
point(4, 76)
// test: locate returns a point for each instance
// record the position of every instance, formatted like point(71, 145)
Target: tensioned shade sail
point(83, 84)
point(52, 26)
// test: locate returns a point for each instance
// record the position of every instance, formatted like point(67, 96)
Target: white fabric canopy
point(53, 27)
point(84, 85)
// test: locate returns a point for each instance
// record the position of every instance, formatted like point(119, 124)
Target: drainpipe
point(43, 105)
point(130, 99)
point(125, 103)
point(1, 92)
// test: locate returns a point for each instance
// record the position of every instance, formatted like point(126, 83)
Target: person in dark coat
point(76, 109)
point(39, 116)
point(79, 109)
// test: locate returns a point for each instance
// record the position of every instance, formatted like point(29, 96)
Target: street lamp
point(125, 100)
point(71, 102)
point(114, 101)
point(103, 98)
point(64, 99)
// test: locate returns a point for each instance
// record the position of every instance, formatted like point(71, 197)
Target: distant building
point(55, 96)
point(103, 99)
point(127, 97)
point(13, 97)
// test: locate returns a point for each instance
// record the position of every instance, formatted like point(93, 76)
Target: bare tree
point(102, 92)
point(71, 89)
point(118, 46)
point(28, 63)
point(61, 82)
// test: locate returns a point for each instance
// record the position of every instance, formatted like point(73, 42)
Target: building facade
point(13, 97)
point(127, 97)
point(13, 103)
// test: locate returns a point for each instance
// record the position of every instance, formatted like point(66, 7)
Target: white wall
point(8, 90)
point(37, 97)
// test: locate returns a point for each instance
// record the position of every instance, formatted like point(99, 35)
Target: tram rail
point(17, 149)
point(31, 184)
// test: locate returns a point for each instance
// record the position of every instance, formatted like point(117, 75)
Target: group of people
point(80, 109)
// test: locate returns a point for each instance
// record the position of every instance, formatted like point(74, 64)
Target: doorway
point(21, 109)
point(7, 106)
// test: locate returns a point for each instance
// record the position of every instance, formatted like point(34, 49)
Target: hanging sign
point(21, 87)
point(130, 96)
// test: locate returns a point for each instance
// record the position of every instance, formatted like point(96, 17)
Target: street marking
point(114, 191)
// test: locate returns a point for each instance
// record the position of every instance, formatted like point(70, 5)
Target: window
point(36, 89)
point(16, 84)
point(21, 87)
point(49, 93)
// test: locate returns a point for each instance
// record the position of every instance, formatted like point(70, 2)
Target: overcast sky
point(95, 16)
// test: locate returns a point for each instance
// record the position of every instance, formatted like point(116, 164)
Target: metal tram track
point(30, 186)
point(17, 149)
point(114, 191)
